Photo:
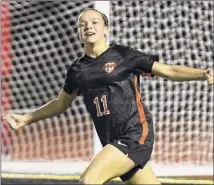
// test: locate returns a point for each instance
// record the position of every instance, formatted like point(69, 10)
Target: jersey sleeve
point(69, 84)
point(141, 62)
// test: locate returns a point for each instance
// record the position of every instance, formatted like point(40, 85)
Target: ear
point(106, 30)
point(78, 34)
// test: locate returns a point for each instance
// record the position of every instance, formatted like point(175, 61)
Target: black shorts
point(139, 153)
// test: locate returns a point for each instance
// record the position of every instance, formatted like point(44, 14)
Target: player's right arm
point(52, 108)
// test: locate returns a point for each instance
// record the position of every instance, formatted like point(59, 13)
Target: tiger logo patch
point(109, 67)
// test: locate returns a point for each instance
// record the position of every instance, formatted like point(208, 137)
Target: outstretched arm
point(182, 73)
point(52, 108)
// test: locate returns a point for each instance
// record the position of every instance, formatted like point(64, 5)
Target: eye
point(94, 22)
point(81, 24)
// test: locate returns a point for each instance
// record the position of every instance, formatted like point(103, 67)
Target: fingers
point(210, 81)
point(15, 121)
point(11, 121)
point(210, 72)
point(210, 77)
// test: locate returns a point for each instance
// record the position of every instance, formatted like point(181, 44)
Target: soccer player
point(107, 76)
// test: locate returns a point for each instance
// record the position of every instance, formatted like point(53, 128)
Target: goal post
point(104, 7)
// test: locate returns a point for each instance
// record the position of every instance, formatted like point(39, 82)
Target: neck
point(94, 50)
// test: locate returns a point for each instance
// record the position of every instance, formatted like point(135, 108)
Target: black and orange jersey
point(110, 88)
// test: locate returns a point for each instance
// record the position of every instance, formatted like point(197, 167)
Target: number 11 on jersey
point(104, 104)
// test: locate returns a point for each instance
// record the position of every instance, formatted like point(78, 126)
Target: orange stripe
point(141, 113)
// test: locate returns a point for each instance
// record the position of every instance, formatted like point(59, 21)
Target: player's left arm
point(182, 73)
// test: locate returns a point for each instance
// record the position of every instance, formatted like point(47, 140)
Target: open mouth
point(89, 34)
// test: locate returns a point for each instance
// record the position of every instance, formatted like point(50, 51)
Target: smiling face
point(91, 27)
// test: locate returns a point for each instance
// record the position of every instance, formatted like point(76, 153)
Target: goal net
point(181, 33)
point(39, 42)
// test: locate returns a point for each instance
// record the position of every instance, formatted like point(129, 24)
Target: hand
point(209, 76)
point(15, 121)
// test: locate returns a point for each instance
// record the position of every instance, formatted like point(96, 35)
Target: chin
point(90, 42)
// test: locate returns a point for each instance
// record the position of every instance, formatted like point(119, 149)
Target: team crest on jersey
point(109, 67)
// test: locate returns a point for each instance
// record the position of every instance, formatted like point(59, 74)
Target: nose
point(88, 26)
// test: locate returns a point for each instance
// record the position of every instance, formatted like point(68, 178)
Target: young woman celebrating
point(108, 78)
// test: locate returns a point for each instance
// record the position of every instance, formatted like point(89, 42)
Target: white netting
point(43, 44)
point(180, 32)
